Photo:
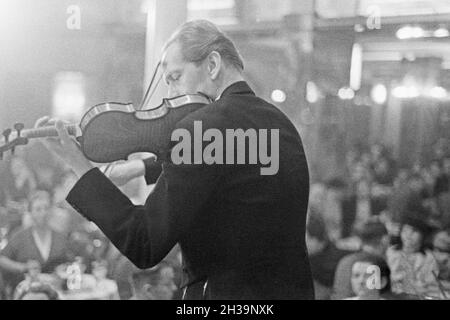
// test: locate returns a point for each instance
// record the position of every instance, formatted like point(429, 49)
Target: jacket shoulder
point(211, 116)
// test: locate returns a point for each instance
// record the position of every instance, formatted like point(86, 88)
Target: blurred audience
point(38, 243)
point(378, 205)
point(441, 252)
point(332, 214)
point(379, 214)
point(370, 278)
point(21, 180)
point(156, 283)
point(374, 242)
point(36, 291)
point(324, 257)
point(412, 264)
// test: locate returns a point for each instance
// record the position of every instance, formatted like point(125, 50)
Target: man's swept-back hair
point(198, 38)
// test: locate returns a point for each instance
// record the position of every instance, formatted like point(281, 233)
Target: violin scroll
point(18, 140)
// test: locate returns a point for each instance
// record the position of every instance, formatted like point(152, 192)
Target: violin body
point(113, 131)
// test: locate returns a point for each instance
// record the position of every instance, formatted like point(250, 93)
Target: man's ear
point(214, 61)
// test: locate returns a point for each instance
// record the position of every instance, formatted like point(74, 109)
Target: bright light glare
point(356, 67)
point(312, 92)
point(346, 93)
point(9, 17)
point(147, 5)
point(418, 32)
point(278, 96)
point(438, 93)
point(204, 5)
point(405, 92)
point(379, 93)
point(408, 32)
point(69, 96)
point(404, 33)
point(441, 33)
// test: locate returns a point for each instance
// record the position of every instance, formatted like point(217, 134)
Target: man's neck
point(41, 231)
point(228, 80)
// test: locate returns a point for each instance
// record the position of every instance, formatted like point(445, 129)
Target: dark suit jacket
point(22, 247)
point(242, 234)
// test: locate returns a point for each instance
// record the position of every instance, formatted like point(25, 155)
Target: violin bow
point(147, 94)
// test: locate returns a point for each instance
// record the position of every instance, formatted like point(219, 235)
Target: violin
point(112, 131)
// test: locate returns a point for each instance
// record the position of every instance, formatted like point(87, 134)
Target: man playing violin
point(242, 234)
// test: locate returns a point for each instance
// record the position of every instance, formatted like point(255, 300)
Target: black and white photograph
point(237, 151)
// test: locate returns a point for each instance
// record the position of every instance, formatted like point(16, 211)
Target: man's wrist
point(23, 268)
point(82, 169)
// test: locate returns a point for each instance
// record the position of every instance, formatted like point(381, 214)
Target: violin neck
point(49, 131)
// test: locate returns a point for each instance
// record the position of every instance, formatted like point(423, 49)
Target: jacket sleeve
point(146, 233)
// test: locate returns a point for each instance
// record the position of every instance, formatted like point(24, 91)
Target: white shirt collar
point(44, 245)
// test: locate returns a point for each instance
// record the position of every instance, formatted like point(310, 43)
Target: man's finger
point(53, 121)
point(62, 133)
point(51, 143)
point(52, 140)
point(41, 122)
point(75, 141)
point(55, 147)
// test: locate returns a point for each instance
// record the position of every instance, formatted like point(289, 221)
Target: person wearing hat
point(412, 265)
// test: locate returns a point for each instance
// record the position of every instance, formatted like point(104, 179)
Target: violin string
point(154, 89)
point(105, 168)
point(144, 101)
point(146, 95)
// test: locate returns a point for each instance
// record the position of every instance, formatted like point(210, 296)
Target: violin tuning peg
point(19, 127)
point(6, 134)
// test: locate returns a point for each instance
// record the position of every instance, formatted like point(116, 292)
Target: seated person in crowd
point(36, 291)
point(323, 257)
point(36, 243)
point(407, 199)
point(367, 199)
point(441, 252)
point(441, 192)
point(156, 283)
point(357, 207)
point(122, 269)
point(411, 264)
point(64, 218)
point(20, 181)
point(332, 215)
point(374, 241)
point(384, 171)
point(370, 278)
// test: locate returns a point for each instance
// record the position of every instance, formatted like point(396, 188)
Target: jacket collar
point(240, 87)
